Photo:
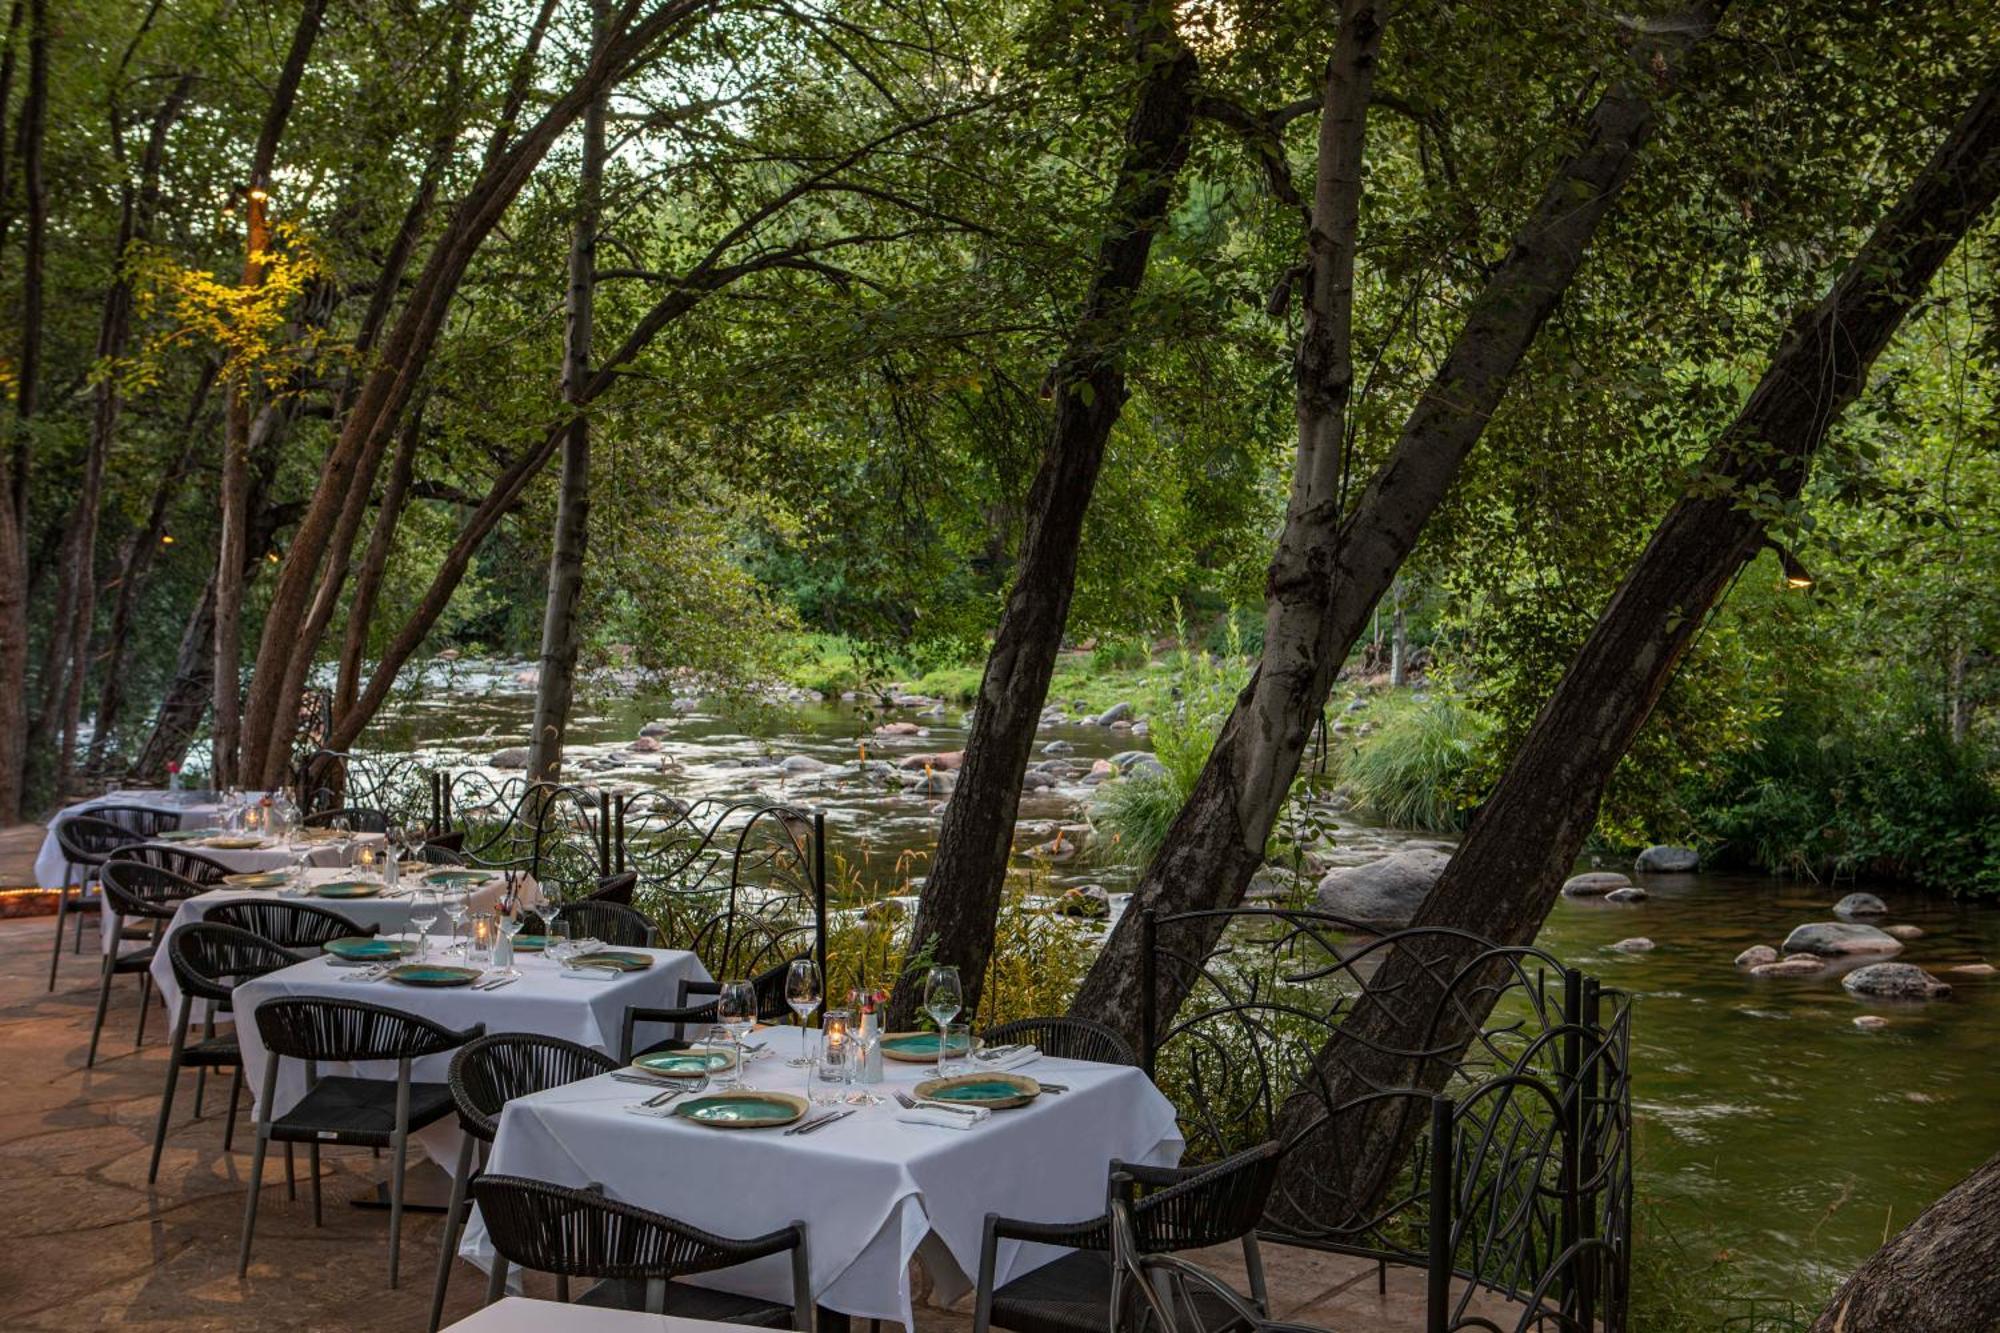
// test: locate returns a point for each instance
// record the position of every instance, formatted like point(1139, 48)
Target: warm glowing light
point(258, 195)
point(271, 557)
point(1795, 574)
point(166, 539)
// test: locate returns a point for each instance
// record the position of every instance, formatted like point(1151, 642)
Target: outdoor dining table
point(584, 1005)
point(874, 1192)
point(518, 1314)
point(196, 809)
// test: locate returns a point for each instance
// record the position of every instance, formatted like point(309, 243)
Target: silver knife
point(822, 1122)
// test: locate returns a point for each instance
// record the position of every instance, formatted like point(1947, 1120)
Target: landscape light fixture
point(166, 539)
point(257, 194)
point(1792, 573)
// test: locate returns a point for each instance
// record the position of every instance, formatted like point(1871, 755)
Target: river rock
point(1057, 850)
point(1900, 981)
point(1871, 1022)
point(645, 745)
point(654, 729)
point(1665, 860)
point(514, 756)
point(1058, 747)
point(1118, 712)
point(1036, 780)
point(1860, 904)
point(1798, 965)
point(1142, 728)
point(1631, 893)
point(898, 729)
point(1834, 939)
point(1145, 766)
point(1973, 969)
point(1595, 884)
point(934, 784)
point(1637, 944)
point(802, 763)
point(1089, 902)
point(1382, 894)
point(948, 760)
point(1757, 955)
point(1904, 932)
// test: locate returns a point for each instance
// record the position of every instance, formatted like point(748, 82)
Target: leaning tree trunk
point(1329, 574)
point(961, 899)
point(562, 630)
point(1941, 1273)
point(1509, 869)
point(375, 563)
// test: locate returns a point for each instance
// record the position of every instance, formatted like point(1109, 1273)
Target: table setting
point(886, 1160)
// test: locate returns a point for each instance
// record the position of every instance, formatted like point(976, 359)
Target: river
point(1773, 1132)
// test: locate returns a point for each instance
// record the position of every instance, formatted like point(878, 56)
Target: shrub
point(1414, 771)
point(1128, 654)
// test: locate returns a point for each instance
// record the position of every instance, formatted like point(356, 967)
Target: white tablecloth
point(873, 1192)
point(50, 867)
point(544, 1001)
point(518, 1314)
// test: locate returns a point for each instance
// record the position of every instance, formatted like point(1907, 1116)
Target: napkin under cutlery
point(944, 1117)
point(1012, 1058)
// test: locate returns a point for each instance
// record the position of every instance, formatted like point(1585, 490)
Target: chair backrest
point(1192, 1209)
point(1160, 1293)
point(309, 1028)
point(488, 1073)
point(580, 1233)
point(614, 923)
point(434, 853)
point(203, 870)
point(769, 984)
point(140, 819)
point(210, 960)
point(86, 839)
point(617, 888)
point(135, 888)
point(1067, 1039)
point(294, 925)
point(360, 819)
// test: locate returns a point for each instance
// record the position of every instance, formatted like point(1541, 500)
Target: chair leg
point(496, 1280)
point(291, 1177)
point(399, 1154)
point(454, 1216)
point(200, 1086)
point(312, 1166)
point(562, 1288)
point(103, 1003)
point(76, 945)
point(257, 1163)
point(167, 1096)
point(62, 916)
point(229, 1126)
point(145, 1003)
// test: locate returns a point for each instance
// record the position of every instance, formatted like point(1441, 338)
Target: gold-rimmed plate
point(921, 1048)
point(690, 1063)
point(996, 1091)
point(746, 1109)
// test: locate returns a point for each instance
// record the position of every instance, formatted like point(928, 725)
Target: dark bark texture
point(1940, 1274)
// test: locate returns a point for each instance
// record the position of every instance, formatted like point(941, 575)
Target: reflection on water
point(1771, 1128)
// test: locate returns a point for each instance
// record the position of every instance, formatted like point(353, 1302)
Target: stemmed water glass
point(943, 998)
point(802, 993)
point(512, 918)
point(456, 904)
point(736, 1011)
point(423, 915)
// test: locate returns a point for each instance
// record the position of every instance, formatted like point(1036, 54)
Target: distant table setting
point(881, 1173)
point(202, 816)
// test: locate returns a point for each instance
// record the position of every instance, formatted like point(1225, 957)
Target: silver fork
point(911, 1104)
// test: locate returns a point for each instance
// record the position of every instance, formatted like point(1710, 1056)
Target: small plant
point(1128, 654)
point(1413, 772)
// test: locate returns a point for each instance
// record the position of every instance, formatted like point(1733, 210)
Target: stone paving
point(85, 1242)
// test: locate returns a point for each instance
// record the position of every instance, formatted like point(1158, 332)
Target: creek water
point(1773, 1134)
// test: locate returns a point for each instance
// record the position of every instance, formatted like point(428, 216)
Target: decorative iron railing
point(1501, 1159)
point(398, 785)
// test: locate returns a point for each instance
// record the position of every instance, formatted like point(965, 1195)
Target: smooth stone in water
point(1384, 894)
point(1757, 955)
point(802, 763)
point(1800, 965)
point(1900, 981)
point(1973, 969)
point(1871, 1022)
point(514, 756)
point(898, 729)
point(1860, 904)
point(1834, 939)
point(1058, 747)
point(1118, 712)
point(645, 744)
point(1595, 884)
point(1630, 894)
point(1904, 932)
point(1664, 860)
point(654, 729)
point(1637, 944)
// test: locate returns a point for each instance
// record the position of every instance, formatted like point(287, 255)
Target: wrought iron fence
point(398, 785)
point(1510, 1169)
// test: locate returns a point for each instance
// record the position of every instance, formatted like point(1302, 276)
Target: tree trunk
point(1329, 574)
point(961, 899)
point(555, 684)
point(375, 563)
point(135, 561)
point(1941, 1273)
point(1525, 839)
point(385, 392)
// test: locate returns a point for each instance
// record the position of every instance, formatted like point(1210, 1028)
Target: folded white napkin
point(944, 1119)
point(1009, 1061)
point(665, 1112)
point(592, 973)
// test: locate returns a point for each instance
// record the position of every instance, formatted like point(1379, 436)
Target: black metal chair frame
point(87, 842)
point(210, 960)
point(486, 1074)
point(1067, 1039)
point(1160, 1292)
point(1517, 1174)
point(1184, 1208)
point(771, 1008)
point(292, 925)
point(360, 818)
point(203, 870)
point(300, 1028)
point(639, 1245)
point(152, 894)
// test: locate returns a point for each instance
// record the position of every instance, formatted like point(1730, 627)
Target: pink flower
point(173, 767)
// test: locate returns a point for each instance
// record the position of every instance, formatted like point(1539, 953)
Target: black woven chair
point(614, 923)
point(210, 960)
point(360, 819)
point(485, 1076)
point(634, 1254)
point(1162, 1293)
point(203, 870)
point(341, 1109)
point(617, 888)
point(87, 842)
point(142, 820)
point(1067, 1039)
point(1174, 1209)
point(134, 891)
point(434, 853)
point(293, 925)
point(695, 1005)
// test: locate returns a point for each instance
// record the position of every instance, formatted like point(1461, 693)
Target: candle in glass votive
point(837, 1042)
point(485, 937)
point(365, 860)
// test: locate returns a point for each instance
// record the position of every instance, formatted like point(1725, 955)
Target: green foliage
point(1120, 654)
point(1414, 770)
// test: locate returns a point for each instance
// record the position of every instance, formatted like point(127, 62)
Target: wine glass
point(802, 993)
point(424, 915)
point(556, 931)
point(512, 918)
point(944, 996)
point(736, 1010)
point(456, 904)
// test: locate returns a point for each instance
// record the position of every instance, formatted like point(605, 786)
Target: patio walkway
point(84, 1242)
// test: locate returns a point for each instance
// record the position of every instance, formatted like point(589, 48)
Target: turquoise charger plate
point(433, 974)
point(996, 1091)
point(921, 1047)
point(347, 888)
point(369, 949)
point(743, 1110)
point(691, 1063)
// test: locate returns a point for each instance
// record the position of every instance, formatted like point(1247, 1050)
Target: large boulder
point(1894, 981)
point(1119, 712)
point(1836, 939)
point(1595, 884)
point(1665, 860)
point(514, 756)
point(1382, 894)
point(803, 763)
point(1860, 904)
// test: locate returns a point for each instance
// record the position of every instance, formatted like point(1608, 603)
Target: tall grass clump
point(1413, 772)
